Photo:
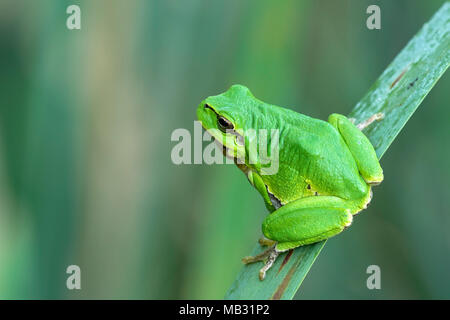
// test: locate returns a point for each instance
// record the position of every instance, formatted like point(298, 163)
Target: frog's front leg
point(301, 222)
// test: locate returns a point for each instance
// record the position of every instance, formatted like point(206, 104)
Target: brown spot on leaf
point(286, 259)
point(283, 285)
point(398, 78)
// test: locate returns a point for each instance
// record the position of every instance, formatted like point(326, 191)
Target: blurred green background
point(86, 176)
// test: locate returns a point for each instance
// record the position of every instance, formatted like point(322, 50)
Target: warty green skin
point(325, 172)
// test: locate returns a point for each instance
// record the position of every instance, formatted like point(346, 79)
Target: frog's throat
point(237, 161)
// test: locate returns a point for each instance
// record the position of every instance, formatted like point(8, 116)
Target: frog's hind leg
point(360, 147)
point(269, 256)
point(301, 222)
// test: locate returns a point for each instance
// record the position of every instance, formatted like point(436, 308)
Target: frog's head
point(225, 117)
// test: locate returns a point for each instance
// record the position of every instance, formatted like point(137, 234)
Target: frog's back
point(314, 159)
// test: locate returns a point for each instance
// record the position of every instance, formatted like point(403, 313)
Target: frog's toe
point(249, 259)
point(273, 254)
point(263, 241)
point(269, 256)
point(259, 257)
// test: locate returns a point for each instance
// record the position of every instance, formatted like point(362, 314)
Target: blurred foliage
point(86, 117)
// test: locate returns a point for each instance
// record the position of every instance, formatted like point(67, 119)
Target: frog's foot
point(376, 117)
point(269, 256)
point(263, 241)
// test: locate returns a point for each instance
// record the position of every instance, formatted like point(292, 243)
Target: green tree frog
point(325, 174)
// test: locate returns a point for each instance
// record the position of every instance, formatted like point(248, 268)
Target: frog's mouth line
point(242, 166)
point(224, 148)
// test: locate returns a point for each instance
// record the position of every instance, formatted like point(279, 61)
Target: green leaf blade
point(397, 93)
point(401, 88)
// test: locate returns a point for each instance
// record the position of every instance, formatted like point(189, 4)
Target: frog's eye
point(224, 124)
